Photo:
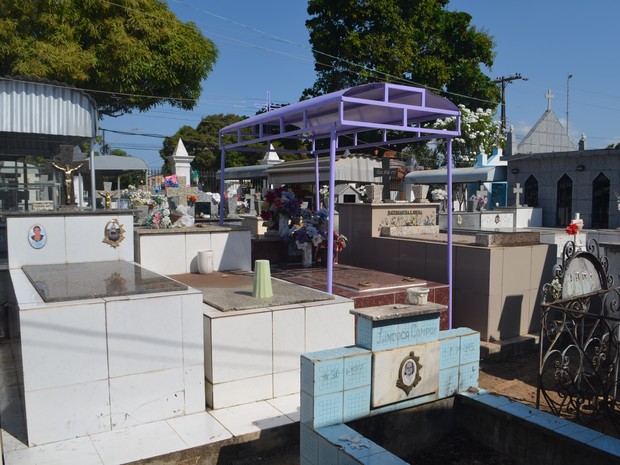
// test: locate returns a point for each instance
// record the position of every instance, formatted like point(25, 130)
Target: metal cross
point(517, 190)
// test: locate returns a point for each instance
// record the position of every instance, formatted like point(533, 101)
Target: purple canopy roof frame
point(350, 112)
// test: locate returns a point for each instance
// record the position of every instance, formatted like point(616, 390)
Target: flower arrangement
point(278, 203)
point(439, 195)
point(191, 199)
point(136, 196)
point(480, 201)
point(574, 227)
point(171, 181)
point(159, 215)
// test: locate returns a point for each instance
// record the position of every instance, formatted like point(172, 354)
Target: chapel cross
point(183, 191)
point(517, 190)
point(549, 96)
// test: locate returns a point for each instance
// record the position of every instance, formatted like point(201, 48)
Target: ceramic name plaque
point(403, 374)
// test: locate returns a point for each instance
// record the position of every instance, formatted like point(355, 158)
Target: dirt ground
point(514, 378)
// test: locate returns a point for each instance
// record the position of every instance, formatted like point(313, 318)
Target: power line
point(503, 81)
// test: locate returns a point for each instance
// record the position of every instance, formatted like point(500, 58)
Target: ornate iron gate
point(579, 339)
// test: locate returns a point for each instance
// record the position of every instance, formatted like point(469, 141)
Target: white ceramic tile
point(329, 325)
point(193, 243)
point(241, 391)
point(146, 397)
point(67, 412)
point(288, 339)
point(193, 348)
point(241, 347)
point(194, 383)
point(20, 252)
point(288, 405)
point(208, 347)
point(84, 238)
point(199, 429)
point(80, 451)
point(25, 293)
point(63, 345)
point(286, 382)
point(387, 369)
point(132, 444)
point(250, 418)
point(163, 253)
point(231, 250)
point(144, 335)
point(14, 440)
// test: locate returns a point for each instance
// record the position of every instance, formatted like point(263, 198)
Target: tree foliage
point(361, 41)
point(478, 132)
point(128, 54)
point(202, 142)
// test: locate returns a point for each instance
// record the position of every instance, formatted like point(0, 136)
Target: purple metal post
point(316, 178)
point(449, 245)
point(222, 165)
point(330, 221)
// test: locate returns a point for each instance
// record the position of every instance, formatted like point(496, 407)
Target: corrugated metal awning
point(37, 116)
point(459, 175)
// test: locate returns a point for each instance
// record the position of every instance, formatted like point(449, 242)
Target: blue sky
point(264, 53)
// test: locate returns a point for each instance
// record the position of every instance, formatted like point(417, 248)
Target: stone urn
point(420, 191)
point(417, 295)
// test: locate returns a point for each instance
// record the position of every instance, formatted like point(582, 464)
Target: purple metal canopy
point(402, 114)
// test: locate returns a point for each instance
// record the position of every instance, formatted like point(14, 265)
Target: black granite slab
point(78, 281)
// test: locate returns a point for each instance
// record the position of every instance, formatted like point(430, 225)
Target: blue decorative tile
point(328, 452)
point(579, 433)
point(308, 445)
point(548, 421)
point(306, 409)
point(357, 371)
point(322, 374)
point(448, 382)
point(608, 444)
point(468, 376)
point(384, 335)
point(363, 333)
point(356, 403)
point(346, 459)
point(327, 410)
point(333, 432)
point(518, 410)
point(418, 331)
point(470, 348)
point(358, 447)
point(449, 352)
point(383, 458)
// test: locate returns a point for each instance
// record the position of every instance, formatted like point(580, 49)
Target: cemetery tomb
point(252, 345)
point(100, 342)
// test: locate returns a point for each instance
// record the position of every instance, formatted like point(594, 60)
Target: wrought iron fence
point(580, 343)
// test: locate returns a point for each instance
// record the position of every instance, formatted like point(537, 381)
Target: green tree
point(128, 54)
point(478, 132)
point(361, 41)
point(202, 142)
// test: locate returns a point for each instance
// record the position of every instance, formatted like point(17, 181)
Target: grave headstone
point(182, 192)
point(518, 190)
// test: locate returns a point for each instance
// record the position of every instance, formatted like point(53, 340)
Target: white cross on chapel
point(517, 191)
point(549, 96)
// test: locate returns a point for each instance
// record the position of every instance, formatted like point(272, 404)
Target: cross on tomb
point(517, 190)
point(182, 191)
point(549, 96)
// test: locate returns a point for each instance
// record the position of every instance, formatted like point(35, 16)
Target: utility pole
point(503, 81)
point(568, 78)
